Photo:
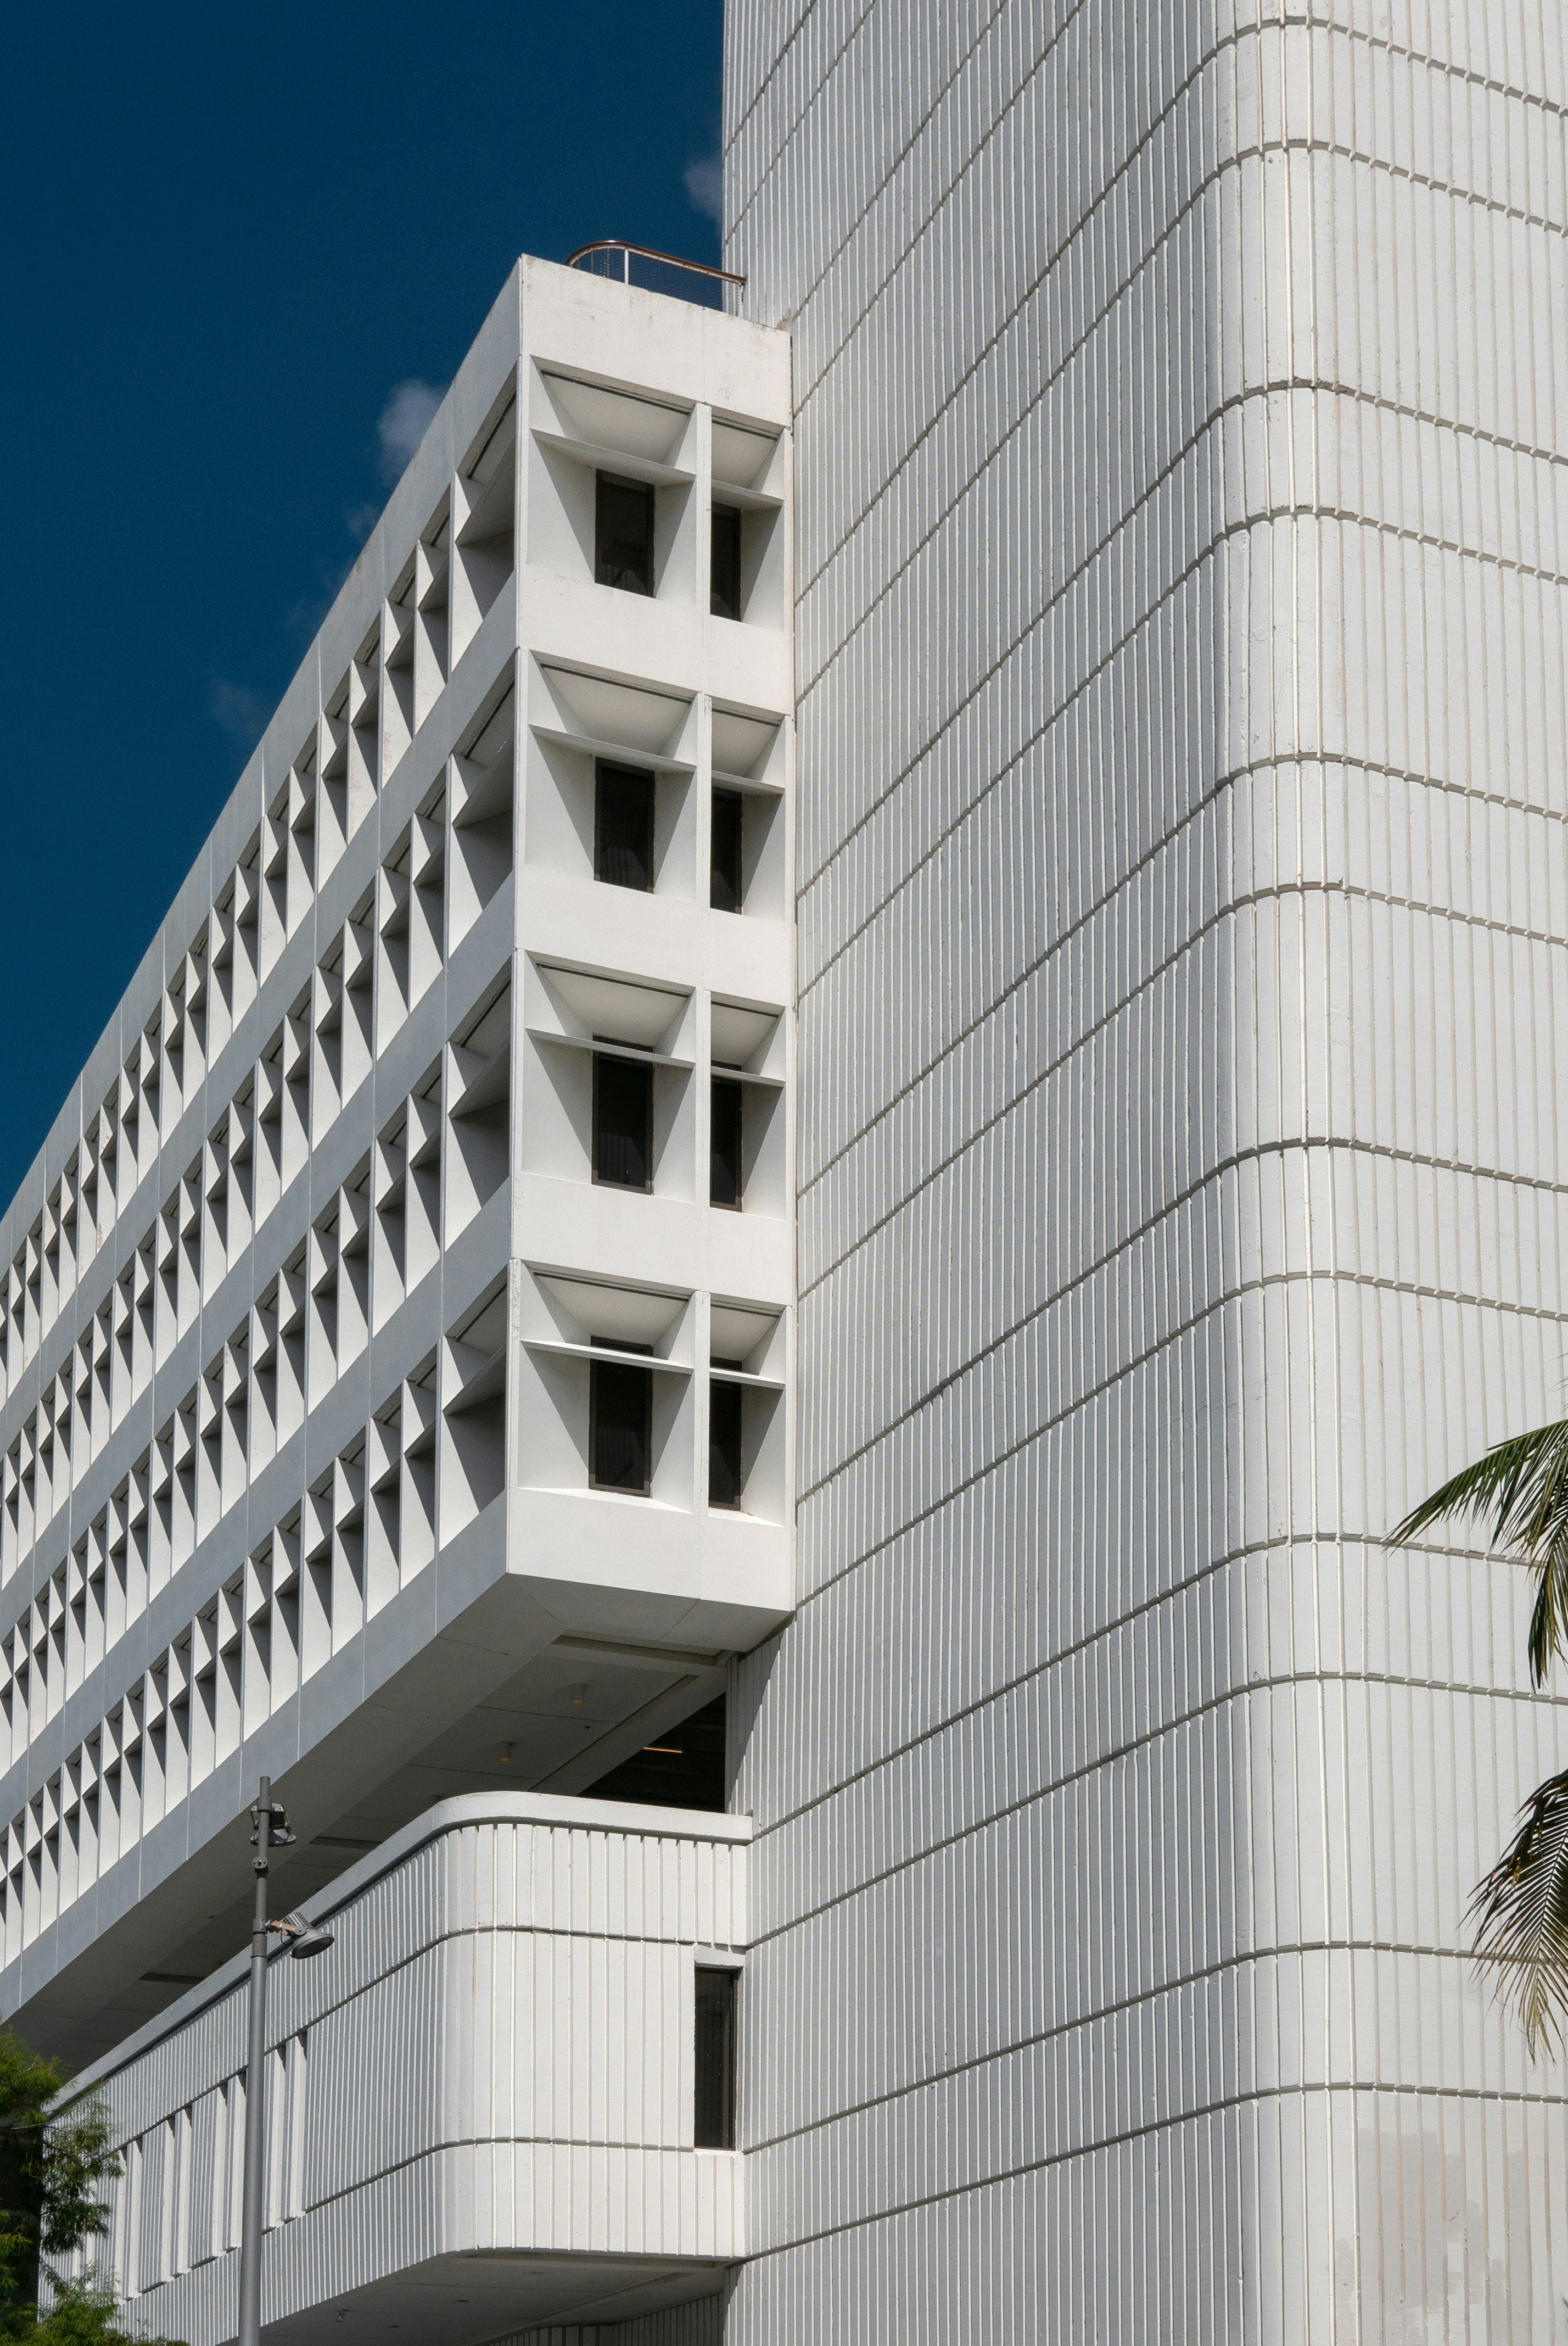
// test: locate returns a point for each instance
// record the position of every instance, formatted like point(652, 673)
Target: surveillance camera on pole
point(269, 1831)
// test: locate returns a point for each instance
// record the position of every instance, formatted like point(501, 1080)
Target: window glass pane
point(620, 1431)
point(728, 824)
point(622, 826)
point(623, 1123)
point(726, 1409)
point(714, 2113)
point(623, 533)
point(725, 597)
point(724, 1178)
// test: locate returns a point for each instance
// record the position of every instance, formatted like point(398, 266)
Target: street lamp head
point(279, 1833)
point(304, 1939)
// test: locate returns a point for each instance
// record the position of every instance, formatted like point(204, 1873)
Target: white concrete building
point(1181, 653)
point(396, 1357)
point(1139, 764)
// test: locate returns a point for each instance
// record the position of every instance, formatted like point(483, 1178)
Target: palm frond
point(1520, 1912)
point(1521, 1485)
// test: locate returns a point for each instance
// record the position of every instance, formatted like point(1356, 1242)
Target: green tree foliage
point(1523, 1486)
point(1520, 1491)
point(50, 2170)
point(84, 2313)
point(1522, 1915)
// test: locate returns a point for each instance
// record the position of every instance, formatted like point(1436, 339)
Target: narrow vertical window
point(622, 826)
point(726, 1413)
point(727, 883)
point(724, 1185)
point(715, 2112)
point(724, 596)
point(623, 1122)
point(620, 1427)
point(623, 533)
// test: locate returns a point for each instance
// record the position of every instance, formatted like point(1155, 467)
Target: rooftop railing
point(658, 272)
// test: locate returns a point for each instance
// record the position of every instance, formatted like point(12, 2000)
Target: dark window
point(724, 1174)
point(623, 533)
point(622, 826)
point(620, 1425)
point(623, 1122)
point(729, 828)
point(725, 1412)
point(715, 2114)
point(724, 598)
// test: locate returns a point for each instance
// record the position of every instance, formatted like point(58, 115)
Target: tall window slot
point(623, 1122)
point(715, 2066)
point(623, 533)
point(729, 832)
point(724, 1185)
point(622, 826)
point(724, 596)
point(725, 1413)
point(620, 1426)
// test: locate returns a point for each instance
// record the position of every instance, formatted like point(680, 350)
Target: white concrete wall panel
point(1182, 643)
point(496, 2054)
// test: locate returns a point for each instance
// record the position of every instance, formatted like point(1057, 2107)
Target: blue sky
point(239, 246)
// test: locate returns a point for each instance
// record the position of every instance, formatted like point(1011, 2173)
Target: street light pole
point(303, 1939)
point(253, 2205)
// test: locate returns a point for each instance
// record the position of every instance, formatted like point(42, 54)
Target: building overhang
point(482, 2294)
point(641, 1616)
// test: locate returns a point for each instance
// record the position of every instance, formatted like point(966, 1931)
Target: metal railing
point(644, 265)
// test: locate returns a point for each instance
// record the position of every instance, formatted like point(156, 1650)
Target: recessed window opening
point(726, 1411)
point(620, 1426)
point(714, 2115)
point(726, 1124)
point(623, 533)
point(623, 1122)
point(622, 826)
point(724, 596)
point(727, 885)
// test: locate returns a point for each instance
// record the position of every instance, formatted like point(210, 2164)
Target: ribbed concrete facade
point(1182, 477)
point(480, 2106)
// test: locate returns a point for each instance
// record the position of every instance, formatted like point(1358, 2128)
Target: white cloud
point(705, 186)
point(405, 421)
point(240, 710)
